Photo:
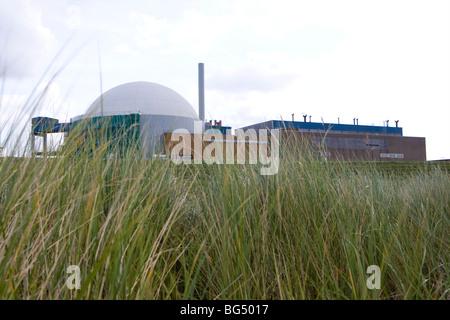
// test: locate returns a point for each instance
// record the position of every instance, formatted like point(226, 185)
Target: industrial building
point(146, 112)
point(350, 142)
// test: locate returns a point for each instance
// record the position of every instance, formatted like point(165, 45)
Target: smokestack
point(201, 92)
point(396, 123)
point(292, 117)
point(304, 117)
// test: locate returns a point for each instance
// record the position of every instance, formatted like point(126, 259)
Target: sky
point(264, 60)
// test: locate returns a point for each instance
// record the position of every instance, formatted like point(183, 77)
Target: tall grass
point(149, 229)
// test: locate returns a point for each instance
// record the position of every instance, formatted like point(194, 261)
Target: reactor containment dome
point(145, 98)
point(159, 109)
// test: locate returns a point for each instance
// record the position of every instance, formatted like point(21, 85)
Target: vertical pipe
point(33, 142)
point(45, 144)
point(201, 92)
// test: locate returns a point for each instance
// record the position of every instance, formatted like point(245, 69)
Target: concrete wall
point(153, 126)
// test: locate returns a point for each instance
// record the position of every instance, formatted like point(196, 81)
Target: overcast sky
point(372, 60)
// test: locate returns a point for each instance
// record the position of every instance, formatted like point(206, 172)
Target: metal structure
point(217, 125)
point(201, 92)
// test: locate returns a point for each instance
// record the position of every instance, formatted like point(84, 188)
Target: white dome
point(145, 98)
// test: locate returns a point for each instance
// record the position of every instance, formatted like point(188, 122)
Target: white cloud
point(198, 32)
point(197, 26)
point(74, 17)
point(147, 29)
point(24, 41)
point(249, 77)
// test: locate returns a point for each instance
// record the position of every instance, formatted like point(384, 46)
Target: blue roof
point(279, 124)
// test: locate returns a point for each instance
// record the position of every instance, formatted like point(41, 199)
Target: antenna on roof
point(396, 123)
point(304, 117)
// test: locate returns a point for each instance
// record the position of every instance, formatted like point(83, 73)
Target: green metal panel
point(120, 132)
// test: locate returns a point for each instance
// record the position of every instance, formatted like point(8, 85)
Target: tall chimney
point(201, 92)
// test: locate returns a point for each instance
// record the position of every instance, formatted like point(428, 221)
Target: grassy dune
point(150, 229)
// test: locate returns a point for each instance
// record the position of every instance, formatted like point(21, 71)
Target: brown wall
point(338, 146)
point(357, 147)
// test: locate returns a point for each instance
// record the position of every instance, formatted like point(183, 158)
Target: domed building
point(135, 114)
point(145, 98)
point(154, 108)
